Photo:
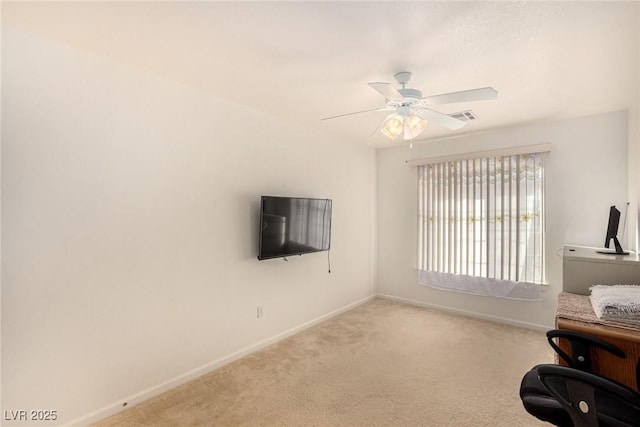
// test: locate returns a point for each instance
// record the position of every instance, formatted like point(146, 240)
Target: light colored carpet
point(380, 364)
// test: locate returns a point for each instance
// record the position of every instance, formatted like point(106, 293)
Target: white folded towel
point(620, 303)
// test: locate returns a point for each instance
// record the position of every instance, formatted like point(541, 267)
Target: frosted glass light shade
point(393, 126)
point(407, 126)
point(414, 126)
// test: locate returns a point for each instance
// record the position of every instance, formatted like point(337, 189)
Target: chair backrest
point(591, 400)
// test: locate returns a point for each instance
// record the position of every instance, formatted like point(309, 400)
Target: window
point(481, 225)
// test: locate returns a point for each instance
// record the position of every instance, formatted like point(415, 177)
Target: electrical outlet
point(259, 311)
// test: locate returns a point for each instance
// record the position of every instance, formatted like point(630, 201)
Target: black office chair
point(590, 400)
point(537, 399)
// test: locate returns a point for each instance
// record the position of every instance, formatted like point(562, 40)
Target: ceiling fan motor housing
point(411, 93)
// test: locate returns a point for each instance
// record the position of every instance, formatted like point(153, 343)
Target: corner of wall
point(0, 204)
point(637, 142)
point(374, 221)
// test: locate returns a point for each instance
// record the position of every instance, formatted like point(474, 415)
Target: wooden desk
point(575, 313)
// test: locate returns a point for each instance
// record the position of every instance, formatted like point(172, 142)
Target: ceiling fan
point(412, 112)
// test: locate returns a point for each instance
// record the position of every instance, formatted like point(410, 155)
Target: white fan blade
point(444, 120)
point(387, 91)
point(463, 96)
point(357, 112)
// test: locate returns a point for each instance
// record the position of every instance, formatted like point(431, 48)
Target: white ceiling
point(304, 61)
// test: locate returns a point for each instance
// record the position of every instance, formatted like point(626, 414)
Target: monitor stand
point(618, 251)
point(613, 253)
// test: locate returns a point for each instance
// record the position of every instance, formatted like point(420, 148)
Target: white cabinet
point(583, 267)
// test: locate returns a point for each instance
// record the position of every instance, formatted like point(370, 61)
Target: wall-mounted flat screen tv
point(293, 226)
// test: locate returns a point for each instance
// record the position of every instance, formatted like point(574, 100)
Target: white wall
point(129, 215)
point(634, 147)
point(586, 172)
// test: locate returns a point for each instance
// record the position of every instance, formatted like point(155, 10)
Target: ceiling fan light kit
point(412, 111)
point(402, 123)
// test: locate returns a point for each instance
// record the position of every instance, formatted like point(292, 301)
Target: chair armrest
point(581, 345)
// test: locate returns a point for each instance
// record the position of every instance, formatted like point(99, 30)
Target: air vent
point(465, 116)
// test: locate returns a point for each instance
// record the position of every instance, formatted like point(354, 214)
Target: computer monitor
point(612, 233)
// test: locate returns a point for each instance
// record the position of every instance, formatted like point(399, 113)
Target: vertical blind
point(483, 217)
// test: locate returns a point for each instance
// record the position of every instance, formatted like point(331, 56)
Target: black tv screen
point(293, 226)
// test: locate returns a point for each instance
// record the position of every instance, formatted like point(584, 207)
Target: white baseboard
point(504, 320)
point(130, 401)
